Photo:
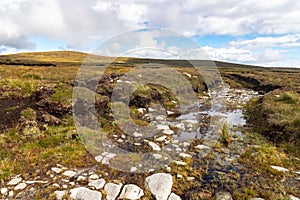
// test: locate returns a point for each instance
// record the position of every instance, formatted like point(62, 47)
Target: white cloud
point(281, 41)
point(85, 24)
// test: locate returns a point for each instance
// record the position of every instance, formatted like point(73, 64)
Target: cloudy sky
point(253, 31)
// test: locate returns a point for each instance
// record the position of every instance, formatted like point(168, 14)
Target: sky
point(254, 32)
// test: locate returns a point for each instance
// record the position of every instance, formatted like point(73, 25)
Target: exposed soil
point(252, 83)
point(47, 111)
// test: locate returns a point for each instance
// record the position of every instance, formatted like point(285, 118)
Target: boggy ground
point(38, 132)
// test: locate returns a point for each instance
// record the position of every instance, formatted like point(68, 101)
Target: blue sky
point(252, 32)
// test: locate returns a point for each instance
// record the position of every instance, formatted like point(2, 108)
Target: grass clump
point(225, 136)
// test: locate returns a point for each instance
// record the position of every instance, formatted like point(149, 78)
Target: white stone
point(257, 199)
point(168, 132)
point(69, 173)
point(120, 140)
point(190, 178)
point(104, 158)
point(180, 126)
point(168, 168)
point(59, 194)
point(112, 190)
point(97, 184)
point(4, 191)
point(292, 197)
point(83, 193)
point(133, 169)
point(186, 144)
point(157, 156)
point(131, 191)
point(34, 182)
point(223, 196)
point(201, 146)
point(191, 121)
point(152, 109)
point(154, 146)
point(21, 186)
point(179, 176)
point(56, 170)
point(136, 134)
point(298, 172)
point(162, 127)
point(174, 196)
point(185, 155)
point(94, 177)
point(141, 110)
point(159, 185)
point(170, 112)
point(81, 178)
point(11, 194)
point(14, 181)
point(160, 118)
point(187, 74)
point(179, 163)
point(161, 138)
point(280, 169)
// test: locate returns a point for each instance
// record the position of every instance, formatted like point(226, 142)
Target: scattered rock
point(112, 190)
point(201, 147)
point(11, 194)
point(93, 177)
point(185, 155)
point(180, 126)
point(179, 176)
point(4, 191)
point(174, 196)
point(59, 194)
point(170, 112)
point(131, 191)
point(83, 193)
point(190, 178)
point(14, 181)
point(34, 182)
point(69, 173)
point(157, 156)
point(136, 134)
point(97, 184)
point(81, 178)
point(257, 199)
point(133, 169)
point(159, 185)
point(292, 197)
point(161, 138)
point(187, 74)
point(280, 169)
point(179, 162)
point(141, 110)
point(21, 186)
point(154, 146)
point(162, 127)
point(105, 157)
point(223, 196)
point(56, 170)
point(168, 132)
